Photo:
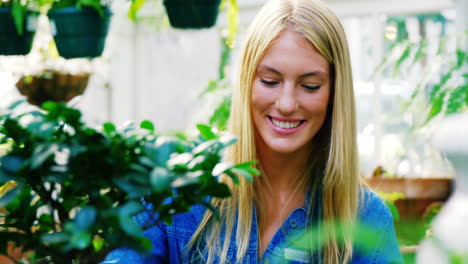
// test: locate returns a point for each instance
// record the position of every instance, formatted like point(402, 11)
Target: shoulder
point(372, 207)
point(375, 240)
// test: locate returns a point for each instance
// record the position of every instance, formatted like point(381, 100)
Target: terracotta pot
point(52, 86)
point(419, 193)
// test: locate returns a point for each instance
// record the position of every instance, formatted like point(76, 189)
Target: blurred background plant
point(69, 192)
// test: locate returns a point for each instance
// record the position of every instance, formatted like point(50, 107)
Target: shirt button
point(293, 223)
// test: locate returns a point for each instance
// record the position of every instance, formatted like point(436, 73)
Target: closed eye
point(268, 83)
point(311, 87)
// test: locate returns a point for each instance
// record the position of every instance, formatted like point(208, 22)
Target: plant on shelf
point(79, 27)
point(17, 26)
point(72, 190)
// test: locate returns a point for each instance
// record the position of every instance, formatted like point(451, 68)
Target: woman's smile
point(285, 126)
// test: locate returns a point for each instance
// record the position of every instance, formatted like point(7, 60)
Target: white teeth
point(285, 124)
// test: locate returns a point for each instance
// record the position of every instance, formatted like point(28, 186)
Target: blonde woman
point(294, 112)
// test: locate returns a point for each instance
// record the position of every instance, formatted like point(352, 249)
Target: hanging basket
point(12, 43)
point(79, 33)
point(192, 14)
point(52, 86)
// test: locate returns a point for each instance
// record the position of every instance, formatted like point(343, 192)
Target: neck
point(282, 171)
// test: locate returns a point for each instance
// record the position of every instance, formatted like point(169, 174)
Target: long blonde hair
point(339, 171)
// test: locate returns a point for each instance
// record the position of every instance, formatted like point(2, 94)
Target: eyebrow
point(314, 73)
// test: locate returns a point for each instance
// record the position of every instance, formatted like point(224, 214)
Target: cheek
point(316, 104)
point(261, 98)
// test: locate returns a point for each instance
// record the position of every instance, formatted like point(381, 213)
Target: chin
point(284, 148)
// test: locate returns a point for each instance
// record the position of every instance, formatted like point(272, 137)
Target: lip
point(285, 131)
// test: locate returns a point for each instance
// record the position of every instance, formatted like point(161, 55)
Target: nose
point(287, 101)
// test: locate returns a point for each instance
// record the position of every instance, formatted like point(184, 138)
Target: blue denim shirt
point(169, 241)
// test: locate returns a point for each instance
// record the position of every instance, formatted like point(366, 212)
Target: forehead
point(293, 52)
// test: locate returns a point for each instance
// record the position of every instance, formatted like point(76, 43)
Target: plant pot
point(79, 33)
point(12, 43)
point(186, 14)
point(419, 193)
point(52, 86)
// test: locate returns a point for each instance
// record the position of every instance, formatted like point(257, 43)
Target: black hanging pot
point(79, 33)
point(11, 42)
point(187, 14)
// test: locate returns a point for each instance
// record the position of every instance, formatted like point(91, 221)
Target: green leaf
point(131, 208)
point(132, 188)
point(15, 104)
point(161, 179)
point(233, 176)
point(11, 164)
point(55, 238)
point(220, 168)
point(247, 166)
point(456, 100)
point(220, 116)
point(85, 218)
point(206, 147)
point(219, 190)
point(80, 239)
point(461, 55)
point(146, 243)
point(19, 16)
point(42, 153)
point(5, 177)
point(206, 132)
point(126, 221)
point(228, 139)
point(444, 79)
point(244, 174)
point(421, 51)
point(466, 93)
point(212, 86)
point(10, 196)
point(109, 128)
point(50, 106)
point(180, 159)
point(164, 147)
point(197, 163)
point(404, 56)
point(98, 243)
point(147, 125)
point(233, 22)
point(436, 107)
point(134, 8)
point(189, 178)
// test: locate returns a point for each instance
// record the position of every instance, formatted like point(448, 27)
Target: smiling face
point(290, 95)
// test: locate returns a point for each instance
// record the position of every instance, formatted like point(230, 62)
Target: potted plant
point(192, 13)
point(17, 27)
point(52, 85)
point(79, 27)
point(73, 190)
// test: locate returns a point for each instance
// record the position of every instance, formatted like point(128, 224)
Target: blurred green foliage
point(70, 191)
